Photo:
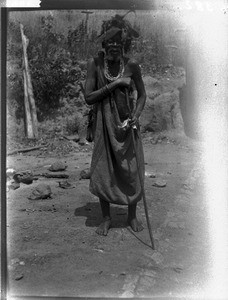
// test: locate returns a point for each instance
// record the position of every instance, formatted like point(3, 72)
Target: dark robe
point(114, 172)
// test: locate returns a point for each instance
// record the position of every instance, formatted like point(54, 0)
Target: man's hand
point(133, 121)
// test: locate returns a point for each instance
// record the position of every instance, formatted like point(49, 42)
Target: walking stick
point(140, 175)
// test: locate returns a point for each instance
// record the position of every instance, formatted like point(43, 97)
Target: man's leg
point(105, 225)
point(132, 219)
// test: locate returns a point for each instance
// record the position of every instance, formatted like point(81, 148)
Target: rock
point(150, 174)
point(57, 166)
point(27, 180)
point(13, 185)
point(159, 183)
point(41, 191)
point(85, 174)
point(10, 172)
point(24, 177)
point(162, 109)
point(65, 185)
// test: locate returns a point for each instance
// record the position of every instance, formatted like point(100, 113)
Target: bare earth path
point(53, 249)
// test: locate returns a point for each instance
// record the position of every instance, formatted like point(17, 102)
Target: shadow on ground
point(92, 212)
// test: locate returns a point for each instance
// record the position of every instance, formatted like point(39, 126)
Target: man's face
point(114, 47)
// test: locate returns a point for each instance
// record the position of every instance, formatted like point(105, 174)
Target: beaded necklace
point(107, 72)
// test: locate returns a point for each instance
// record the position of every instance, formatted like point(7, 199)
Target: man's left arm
point(141, 99)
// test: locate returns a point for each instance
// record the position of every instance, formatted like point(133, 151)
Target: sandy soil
point(53, 248)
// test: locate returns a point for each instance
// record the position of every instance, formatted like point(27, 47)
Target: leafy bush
point(54, 69)
point(55, 54)
point(47, 60)
point(73, 124)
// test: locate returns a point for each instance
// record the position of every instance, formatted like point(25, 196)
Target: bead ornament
point(108, 74)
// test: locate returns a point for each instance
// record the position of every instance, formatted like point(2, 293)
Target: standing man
point(110, 75)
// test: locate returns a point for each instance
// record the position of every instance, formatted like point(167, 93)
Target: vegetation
point(60, 42)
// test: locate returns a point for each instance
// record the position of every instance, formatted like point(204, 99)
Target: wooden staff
point(140, 175)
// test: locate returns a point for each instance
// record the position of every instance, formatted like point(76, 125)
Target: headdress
point(113, 26)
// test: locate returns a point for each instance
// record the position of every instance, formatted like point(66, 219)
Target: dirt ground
point(53, 249)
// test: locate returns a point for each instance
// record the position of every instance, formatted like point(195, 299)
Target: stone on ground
point(23, 176)
point(159, 183)
point(58, 166)
point(85, 174)
point(41, 191)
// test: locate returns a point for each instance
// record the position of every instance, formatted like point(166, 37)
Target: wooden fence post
point(28, 117)
point(30, 107)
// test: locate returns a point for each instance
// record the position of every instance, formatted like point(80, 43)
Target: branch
point(26, 149)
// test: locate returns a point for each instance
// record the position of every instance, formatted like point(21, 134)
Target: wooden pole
point(28, 86)
point(87, 18)
point(86, 49)
point(140, 176)
point(28, 117)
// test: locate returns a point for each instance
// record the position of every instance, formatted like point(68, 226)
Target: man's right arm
point(92, 95)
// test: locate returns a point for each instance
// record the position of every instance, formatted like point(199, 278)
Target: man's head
point(114, 46)
point(117, 33)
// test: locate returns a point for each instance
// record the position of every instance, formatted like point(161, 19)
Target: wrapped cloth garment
point(114, 172)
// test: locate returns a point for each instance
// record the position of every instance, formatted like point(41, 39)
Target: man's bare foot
point(135, 224)
point(104, 227)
